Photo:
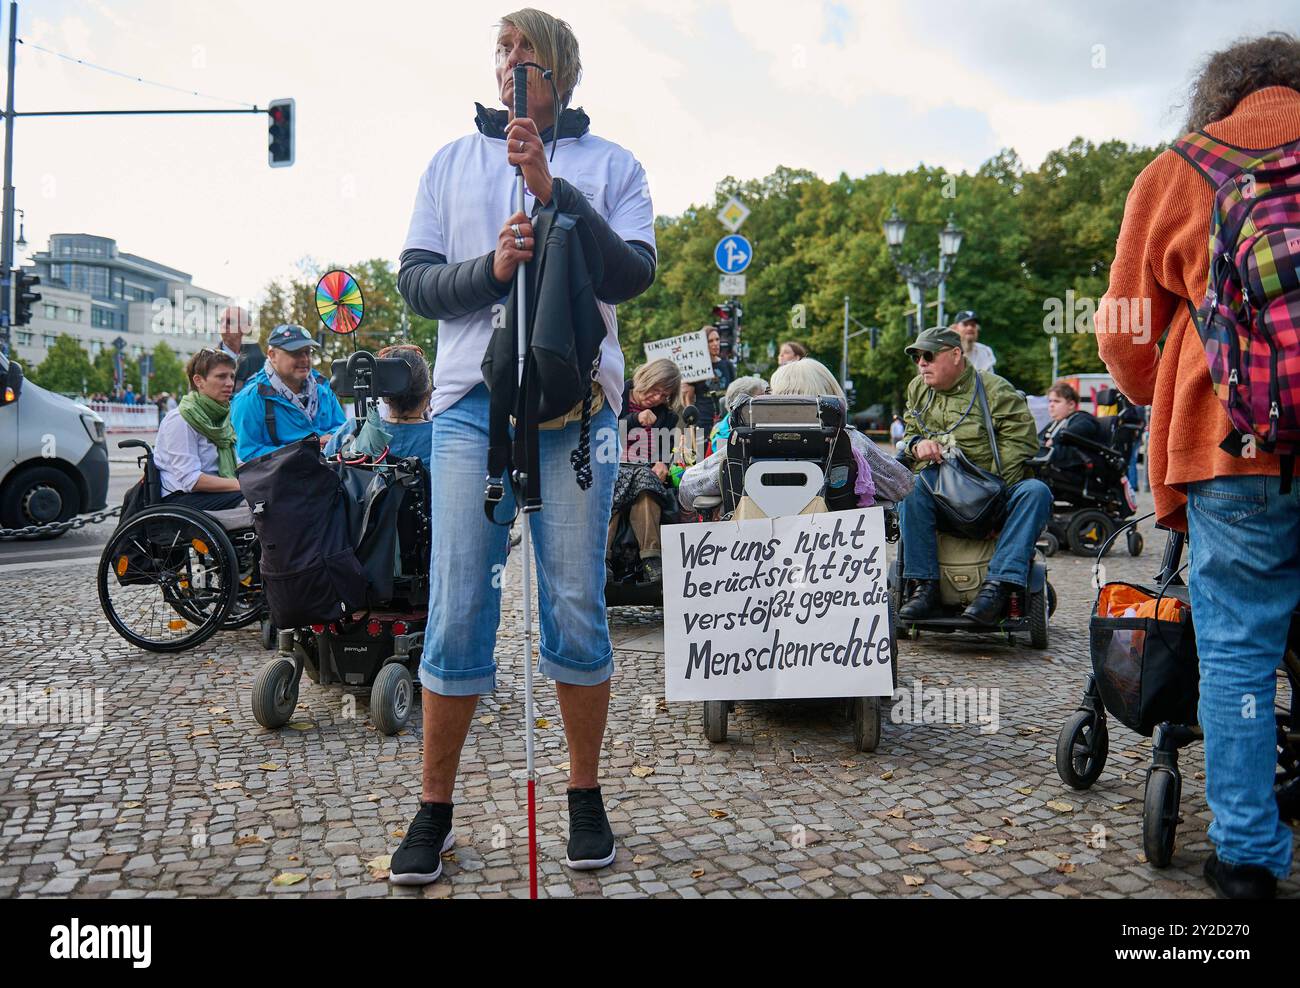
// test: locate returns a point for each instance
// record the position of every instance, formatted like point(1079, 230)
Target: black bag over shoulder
point(301, 512)
point(563, 339)
point(970, 501)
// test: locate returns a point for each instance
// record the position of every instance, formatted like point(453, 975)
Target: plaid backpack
point(1249, 321)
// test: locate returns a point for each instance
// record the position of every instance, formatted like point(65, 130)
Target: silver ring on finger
point(514, 228)
point(519, 243)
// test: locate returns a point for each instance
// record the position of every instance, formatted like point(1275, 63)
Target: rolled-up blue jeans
point(469, 553)
point(1029, 505)
point(1244, 578)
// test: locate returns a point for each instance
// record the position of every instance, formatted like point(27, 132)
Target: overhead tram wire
point(131, 77)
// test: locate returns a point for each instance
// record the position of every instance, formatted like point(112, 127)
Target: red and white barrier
point(127, 418)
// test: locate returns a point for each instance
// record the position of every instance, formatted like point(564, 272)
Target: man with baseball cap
point(979, 355)
point(286, 400)
point(944, 411)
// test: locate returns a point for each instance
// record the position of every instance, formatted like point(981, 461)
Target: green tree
point(66, 368)
point(168, 371)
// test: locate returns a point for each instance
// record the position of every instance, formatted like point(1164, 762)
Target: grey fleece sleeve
point(629, 265)
point(435, 289)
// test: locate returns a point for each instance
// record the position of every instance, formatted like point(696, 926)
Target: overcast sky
point(697, 89)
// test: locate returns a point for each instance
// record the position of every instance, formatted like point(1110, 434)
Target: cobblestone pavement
point(181, 793)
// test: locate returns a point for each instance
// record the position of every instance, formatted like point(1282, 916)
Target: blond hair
point(554, 46)
point(661, 374)
point(805, 377)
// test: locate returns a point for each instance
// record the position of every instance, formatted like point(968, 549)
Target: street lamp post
point(920, 277)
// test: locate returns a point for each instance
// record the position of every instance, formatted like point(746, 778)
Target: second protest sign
point(777, 608)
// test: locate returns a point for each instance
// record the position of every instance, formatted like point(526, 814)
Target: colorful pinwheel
point(339, 302)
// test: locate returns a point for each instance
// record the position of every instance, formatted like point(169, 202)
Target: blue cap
point(966, 315)
point(291, 338)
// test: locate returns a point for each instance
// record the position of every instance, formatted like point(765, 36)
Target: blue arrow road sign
point(733, 254)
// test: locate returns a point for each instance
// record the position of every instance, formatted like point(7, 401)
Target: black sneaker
point(1230, 881)
point(418, 861)
point(591, 842)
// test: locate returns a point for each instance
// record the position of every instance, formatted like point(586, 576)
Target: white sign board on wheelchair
point(777, 608)
point(690, 352)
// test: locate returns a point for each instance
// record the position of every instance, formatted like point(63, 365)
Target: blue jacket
point(409, 439)
point(248, 416)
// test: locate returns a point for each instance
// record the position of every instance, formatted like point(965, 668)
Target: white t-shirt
point(464, 198)
point(982, 357)
point(181, 454)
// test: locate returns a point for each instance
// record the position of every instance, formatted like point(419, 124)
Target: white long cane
point(521, 297)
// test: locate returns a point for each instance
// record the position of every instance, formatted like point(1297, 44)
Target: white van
point(53, 456)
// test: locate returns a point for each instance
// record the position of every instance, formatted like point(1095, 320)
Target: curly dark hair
point(1229, 76)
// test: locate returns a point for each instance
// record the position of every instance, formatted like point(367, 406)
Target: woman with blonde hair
point(651, 401)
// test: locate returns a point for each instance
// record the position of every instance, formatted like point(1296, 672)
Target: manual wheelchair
point(171, 576)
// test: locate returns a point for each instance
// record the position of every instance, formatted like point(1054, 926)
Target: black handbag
point(970, 501)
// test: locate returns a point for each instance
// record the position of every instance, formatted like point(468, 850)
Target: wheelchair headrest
point(820, 414)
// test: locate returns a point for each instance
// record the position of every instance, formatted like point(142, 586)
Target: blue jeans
point(1029, 505)
point(469, 554)
point(1245, 582)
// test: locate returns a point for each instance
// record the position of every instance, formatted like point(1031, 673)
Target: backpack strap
point(1213, 160)
point(988, 421)
point(266, 392)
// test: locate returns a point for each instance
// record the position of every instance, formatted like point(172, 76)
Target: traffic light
point(24, 297)
point(280, 133)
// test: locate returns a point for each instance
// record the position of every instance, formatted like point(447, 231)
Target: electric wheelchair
point(378, 648)
point(784, 452)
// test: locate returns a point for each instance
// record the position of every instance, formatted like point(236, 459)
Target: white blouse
point(182, 454)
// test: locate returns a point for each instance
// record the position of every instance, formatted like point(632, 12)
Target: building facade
point(97, 294)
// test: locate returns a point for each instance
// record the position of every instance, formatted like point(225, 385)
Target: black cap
point(934, 339)
point(291, 338)
point(966, 315)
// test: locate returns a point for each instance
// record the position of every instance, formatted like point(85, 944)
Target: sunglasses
point(925, 356)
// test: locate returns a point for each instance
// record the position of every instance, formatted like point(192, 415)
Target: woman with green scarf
point(195, 448)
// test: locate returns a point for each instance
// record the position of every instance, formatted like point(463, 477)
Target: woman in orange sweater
point(1244, 532)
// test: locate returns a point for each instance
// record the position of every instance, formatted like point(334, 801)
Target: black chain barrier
point(58, 527)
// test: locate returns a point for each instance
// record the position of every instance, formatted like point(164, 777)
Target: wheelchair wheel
point(866, 723)
point(715, 720)
point(275, 692)
point(1087, 532)
point(391, 699)
point(1049, 544)
point(167, 579)
point(1135, 542)
point(1160, 816)
point(1038, 618)
point(1081, 749)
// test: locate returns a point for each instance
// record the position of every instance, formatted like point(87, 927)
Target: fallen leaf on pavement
point(541, 723)
point(202, 732)
point(379, 867)
point(638, 859)
point(132, 806)
point(698, 873)
point(486, 719)
point(268, 766)
point(886, 776)
point(216, 710)
point(1026, 790)
point(249, 840)
point(718, 814)
point(1059, 806)
point(896, 813)
point(300, 725)
point(641, 771)
point(287, 878)
point(1066, 867)
point(913, 880)
point(914, 846)
point(223, 786)
point(976, 847)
